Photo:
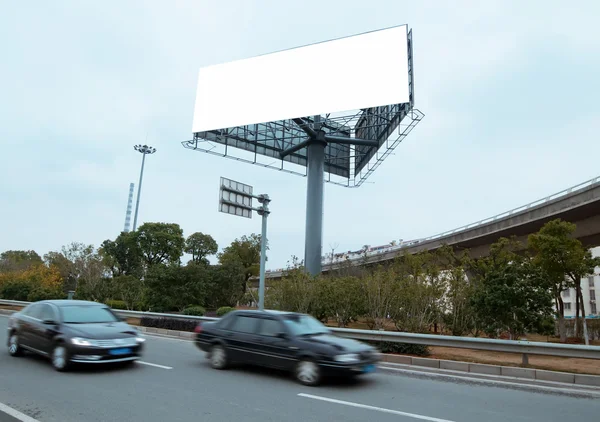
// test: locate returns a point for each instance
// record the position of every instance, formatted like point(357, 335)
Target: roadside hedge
point(169, 323)
point(400, 348)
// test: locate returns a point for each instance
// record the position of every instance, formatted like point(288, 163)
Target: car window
point(86, 314)
point(46, 313)
point(270, 327)
point(33, 310)
point(304, 325)
point(243, 324)
point(225, 321)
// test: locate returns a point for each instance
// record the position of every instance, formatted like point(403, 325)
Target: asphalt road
point(174, 382)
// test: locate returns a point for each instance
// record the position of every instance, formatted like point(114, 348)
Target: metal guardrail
point(523, 347)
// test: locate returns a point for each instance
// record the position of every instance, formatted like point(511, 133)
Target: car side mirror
point(282, 335)
point(49, 322)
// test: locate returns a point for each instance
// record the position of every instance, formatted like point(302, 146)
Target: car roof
point(67, 302)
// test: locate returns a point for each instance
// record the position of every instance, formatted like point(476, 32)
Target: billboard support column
point(314, 206)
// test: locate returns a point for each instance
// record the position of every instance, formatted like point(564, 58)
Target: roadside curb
point(171, 333)
point(511, 372)
point(493, 380)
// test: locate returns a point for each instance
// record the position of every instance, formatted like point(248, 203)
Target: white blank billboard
point(360, 71)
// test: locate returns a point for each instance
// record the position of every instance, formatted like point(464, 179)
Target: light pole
point(144, 149)
point(264, 213)
point(236, 198)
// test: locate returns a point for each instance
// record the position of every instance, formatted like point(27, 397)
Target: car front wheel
point(60, 358)
point(308, 372)
point(14, 348)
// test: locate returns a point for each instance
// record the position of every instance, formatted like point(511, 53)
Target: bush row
point(400, 348)
point(169, 323)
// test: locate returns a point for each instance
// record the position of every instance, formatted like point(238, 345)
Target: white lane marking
point(16, 414)
point(378, 409)
point(585, 391)
point(154, 364)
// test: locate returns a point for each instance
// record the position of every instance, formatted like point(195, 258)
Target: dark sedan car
point(73, 331)
point(284, 340)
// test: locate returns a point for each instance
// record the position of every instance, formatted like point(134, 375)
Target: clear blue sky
point(509, 89)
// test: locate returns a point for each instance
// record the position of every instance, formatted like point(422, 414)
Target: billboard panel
point(357, 72)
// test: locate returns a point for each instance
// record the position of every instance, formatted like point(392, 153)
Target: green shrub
point(223, 310)
point(15, 290)
point(194, 310)
point(401, 348)
point(116, 304)
point(41, 293)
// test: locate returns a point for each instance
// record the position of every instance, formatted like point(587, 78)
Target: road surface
point(174, 382)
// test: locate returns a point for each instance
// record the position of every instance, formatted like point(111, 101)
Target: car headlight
point(346, 358)
point(78, 341)
point(140, 339)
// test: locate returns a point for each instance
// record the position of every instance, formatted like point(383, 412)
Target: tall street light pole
point(144, 150)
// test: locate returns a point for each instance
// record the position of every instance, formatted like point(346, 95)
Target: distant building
point(588, 290)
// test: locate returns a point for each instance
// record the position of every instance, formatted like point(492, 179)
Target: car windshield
point(304, 325)
point(87, 315)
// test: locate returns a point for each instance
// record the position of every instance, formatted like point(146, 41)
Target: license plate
point(120, 351)
point(369, 368)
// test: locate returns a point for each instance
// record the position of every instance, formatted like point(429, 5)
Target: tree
point(36, 283)
point(175, 287)
point(200, 246)
point(226, 284)
point(65, 267)
point(458, 313)
point(160, 243)
point(130, 290)
point(123, 255)
point(564, 261)
point(88, 266)
point(295, 292)
point(380, 290)
point(246, 251)
point(346, 299)
point(18, 260)
point(418, 293)
point(511, 293)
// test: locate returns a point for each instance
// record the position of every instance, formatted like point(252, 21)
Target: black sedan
point(283, 340)
point(73, 331)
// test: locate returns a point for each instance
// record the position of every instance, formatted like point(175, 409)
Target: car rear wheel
point(14, 348)
point(218, 357)
point(308, 372)
point(60, 358)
